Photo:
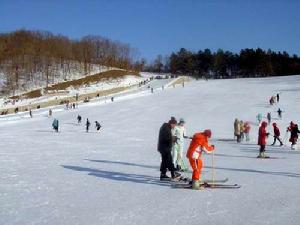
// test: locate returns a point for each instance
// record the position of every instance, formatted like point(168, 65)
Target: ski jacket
point(294, 132)
point(55, 123)
point(247, 127)
point(237, 128)
point(262, 134)
point(165, 139)
point(276, 131)
point(180, 133)
point(199, 140)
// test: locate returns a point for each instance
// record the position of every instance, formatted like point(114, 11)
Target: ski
point(208, 185)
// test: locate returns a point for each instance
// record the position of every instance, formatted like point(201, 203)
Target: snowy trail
point(112, 177)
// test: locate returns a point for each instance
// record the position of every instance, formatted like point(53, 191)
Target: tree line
point(29, 55)
point(226, 64)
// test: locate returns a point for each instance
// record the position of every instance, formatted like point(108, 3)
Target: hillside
point(112, 177)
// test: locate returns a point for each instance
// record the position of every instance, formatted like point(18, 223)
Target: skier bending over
point(165, 148)
point(294, 136)
point(198, 144)
point(55, 125)
point(262, 136)
point(79, 119)
point(97, 125)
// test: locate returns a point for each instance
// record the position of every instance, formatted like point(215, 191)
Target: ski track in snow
point(112, 177)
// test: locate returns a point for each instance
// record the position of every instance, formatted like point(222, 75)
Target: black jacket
point(165, 139)
point(294, 132)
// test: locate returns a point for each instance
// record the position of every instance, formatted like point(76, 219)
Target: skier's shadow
point(122, 163)
point(118, 176)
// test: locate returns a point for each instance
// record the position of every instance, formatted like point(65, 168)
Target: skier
point(79, 119)
point(269, 117)
point(242, 129)
point(259, 118)
point(294, 136)
point(177, 151)
point(87, 124)
point(98, 126)
point(198, 144)
point(237, 130)
point(30, 113)
point(262, 135)
point(276, 134)
point(279, 113)
point(277, 97)
point(247, 129)
point(164, 147)
point(50, 112)
point(55, 125)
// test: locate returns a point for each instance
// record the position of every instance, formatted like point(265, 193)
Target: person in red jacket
point(198, 144)
point(276, 134)
point(262, 136)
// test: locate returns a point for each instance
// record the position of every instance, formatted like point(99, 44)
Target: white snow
point(112, 177)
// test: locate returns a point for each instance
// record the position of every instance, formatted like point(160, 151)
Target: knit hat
point(207, 133)
point(181, 120)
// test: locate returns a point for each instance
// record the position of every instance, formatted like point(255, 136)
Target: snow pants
point(196, 165)
point(166, 163)
point(177, 155)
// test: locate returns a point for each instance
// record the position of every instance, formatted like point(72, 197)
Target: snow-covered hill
point(112, 177)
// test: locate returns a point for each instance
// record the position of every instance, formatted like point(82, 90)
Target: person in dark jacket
point(276, 134)
point(262, 136)
point(87, 125)
point(97, 125)
point(294, 136)
point(279, 111)
point(79, 119)
point(165, 141)
point(55, 125)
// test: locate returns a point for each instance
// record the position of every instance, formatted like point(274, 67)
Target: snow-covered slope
point(112, 177)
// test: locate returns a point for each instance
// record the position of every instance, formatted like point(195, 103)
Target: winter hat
point(264, 123)
point(181, 120)
point(274, 124)
point(207, 133)
point(172, 120)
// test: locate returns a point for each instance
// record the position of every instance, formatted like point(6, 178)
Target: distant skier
point(262, 136)
point(177, 153)
point(259, 118)
point(198, 144)
point(97, 125)
point(30, 113)
point(269, 117)
point(277, 96)
point(247, 129)
point(112, 99)
point(279, 113)
point(242, 130)
point(87, 125)
point(79, 119)
point(294, 136)
point(276, 134)
point(55, 125)
point(50, 113)
point(164, 147)
point(237, 130)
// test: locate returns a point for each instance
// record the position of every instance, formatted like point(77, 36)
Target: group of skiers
point(170, 146)
point(241, 130)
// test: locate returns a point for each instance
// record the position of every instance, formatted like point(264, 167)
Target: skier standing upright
point(177, 152)
point(237, 130)
point(247, 129)
point(198, 144)
point(55, 125)
point(262, 136)
point(294, 136)
point(79, 119)
point(276, 134)
point(87, 125)
point(269, 117)
point(164, 147)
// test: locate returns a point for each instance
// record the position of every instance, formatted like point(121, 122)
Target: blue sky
point(162, 26)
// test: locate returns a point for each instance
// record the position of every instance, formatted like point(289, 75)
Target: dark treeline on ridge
point(225, 64)
point(32, 55)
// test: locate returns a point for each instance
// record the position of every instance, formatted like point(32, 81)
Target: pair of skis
point(183, 183)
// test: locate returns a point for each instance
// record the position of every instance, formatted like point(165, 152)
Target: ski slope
point(112, 177)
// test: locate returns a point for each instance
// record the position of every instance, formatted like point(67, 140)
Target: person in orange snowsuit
point(198, 144)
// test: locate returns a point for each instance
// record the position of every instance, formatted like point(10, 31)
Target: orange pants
point(196, 165)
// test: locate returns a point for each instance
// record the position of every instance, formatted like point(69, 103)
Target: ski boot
point(164, 177)
point(196, 185)
point(175, 175)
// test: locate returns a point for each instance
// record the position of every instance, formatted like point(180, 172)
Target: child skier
point(262, 136)
point(259, 118)
point(247, 129)
point(55, 125)
point(87, 124)
point(276, 134)
point(198, 144)
point(180, 134)
point(97, 125)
